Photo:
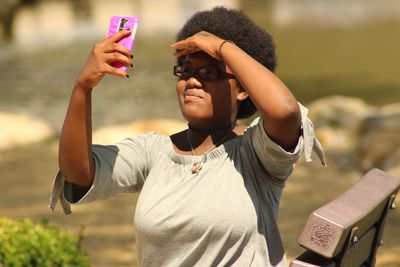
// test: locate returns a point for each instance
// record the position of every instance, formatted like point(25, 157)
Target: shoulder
point(240, 129)
point(148, 141)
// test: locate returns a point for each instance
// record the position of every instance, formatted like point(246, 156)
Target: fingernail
point(127, 75)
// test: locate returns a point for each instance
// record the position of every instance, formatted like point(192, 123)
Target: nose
point(193, 82)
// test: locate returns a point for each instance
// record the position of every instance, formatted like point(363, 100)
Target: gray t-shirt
point(225, 215)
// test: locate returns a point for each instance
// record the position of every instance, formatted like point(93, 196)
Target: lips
point(191, 94)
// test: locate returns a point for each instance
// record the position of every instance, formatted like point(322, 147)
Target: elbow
point(82, 180)
point(283, 123)
point(79, 175)
point(291, 114)
point(287, 113)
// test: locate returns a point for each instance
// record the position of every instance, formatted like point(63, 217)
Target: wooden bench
point(347, 231)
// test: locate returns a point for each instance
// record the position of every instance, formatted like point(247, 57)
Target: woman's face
point(208, 94)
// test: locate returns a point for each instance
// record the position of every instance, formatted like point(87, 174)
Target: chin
point(193, 115)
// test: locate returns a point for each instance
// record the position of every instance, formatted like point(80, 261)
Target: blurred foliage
point(258, 10)
point(317, 60)
point(314, 62)
point(25, 243)
point(358, 60)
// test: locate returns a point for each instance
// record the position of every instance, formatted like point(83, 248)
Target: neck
point(214, 129)
point(202, 146)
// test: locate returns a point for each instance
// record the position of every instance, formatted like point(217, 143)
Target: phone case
point(119, 23)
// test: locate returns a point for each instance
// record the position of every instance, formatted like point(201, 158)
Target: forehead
point(201, 58)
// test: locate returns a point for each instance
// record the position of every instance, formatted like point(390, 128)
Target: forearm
point(75, 148)
point(270, 95)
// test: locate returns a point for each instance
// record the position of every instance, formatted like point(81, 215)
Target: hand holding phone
point(119, 23)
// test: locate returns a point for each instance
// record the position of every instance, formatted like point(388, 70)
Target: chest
point(174, 203)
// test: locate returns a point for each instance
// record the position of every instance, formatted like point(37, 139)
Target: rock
point(115, 133)
point(339, 145)
point(337, 120)
point(22, 129)
point(390, 109)
point(379, 136)
point(391, 164)
point(387, 118)
point(339, 112)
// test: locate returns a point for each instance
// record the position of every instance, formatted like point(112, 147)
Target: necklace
point(197, 166)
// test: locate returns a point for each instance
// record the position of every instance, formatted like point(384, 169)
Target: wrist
point(223, 43)
point(82, 87)
point(82, 91)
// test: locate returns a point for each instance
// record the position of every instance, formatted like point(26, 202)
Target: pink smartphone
point(119, 23)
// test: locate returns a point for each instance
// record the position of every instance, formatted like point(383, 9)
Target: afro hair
point(234, 25)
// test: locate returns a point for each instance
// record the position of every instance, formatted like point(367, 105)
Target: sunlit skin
point(207, 104)
point(273, 99)
point(204, 104)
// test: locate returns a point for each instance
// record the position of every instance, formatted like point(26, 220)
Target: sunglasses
point(208, 73)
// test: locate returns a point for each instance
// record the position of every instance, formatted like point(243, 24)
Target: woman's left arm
point(277, 104)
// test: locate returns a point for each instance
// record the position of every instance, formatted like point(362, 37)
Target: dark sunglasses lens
point(208, 73)
point(188, 72)
point(178, 71)
point(183, 72)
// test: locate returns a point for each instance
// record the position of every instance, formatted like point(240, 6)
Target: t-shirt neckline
point(186, 159)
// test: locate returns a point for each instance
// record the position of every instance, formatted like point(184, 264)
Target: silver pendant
point(196, 167)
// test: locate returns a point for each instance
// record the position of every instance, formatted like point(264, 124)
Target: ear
point(242, 95)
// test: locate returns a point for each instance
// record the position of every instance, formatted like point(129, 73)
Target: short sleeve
point(119, 168)
point(275, 160)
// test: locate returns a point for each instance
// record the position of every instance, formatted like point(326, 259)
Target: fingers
point(115, 52)
point(178, 53)
point(179, 44)
point(116, 47)
point(185, 47)
point(201, 41)
point(115, 71)
point(107, 57)
point(116, 57)
point(116, 37)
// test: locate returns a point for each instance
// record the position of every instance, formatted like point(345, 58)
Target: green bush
point(25, 243)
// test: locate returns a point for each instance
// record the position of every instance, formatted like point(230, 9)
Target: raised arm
point(75, 148)
point(272, 98)
point(278, 106)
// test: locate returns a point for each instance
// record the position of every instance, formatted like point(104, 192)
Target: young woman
point(209, 194)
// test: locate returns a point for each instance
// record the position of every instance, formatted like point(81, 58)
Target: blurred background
point(340, 58)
